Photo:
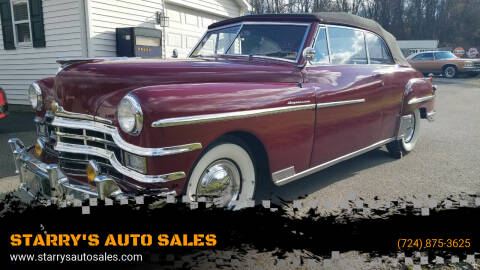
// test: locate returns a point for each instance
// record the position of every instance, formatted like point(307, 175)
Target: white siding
point(185, 28)
point(63, 34)
point(188, 19)
point(67, 30)
point(223, 8)
point(106, 15)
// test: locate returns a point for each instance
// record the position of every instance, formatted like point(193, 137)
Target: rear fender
point(419, 94)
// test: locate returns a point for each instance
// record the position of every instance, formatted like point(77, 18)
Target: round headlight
point(129, 115)
point(35, 96)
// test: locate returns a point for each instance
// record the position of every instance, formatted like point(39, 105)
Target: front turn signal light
point(93, 170)
point(53, 106)
point(39, 147)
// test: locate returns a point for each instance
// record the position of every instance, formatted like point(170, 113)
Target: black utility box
point(139, 42)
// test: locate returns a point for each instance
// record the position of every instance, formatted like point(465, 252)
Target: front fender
point(287, 135)
point(47, 85)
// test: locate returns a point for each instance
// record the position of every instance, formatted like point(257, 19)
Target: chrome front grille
point(77, 139)
point(75, 163)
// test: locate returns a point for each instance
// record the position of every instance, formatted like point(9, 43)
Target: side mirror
point(309, 54)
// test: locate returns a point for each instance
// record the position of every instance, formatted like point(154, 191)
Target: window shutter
point(7, 25)
point(36, 18)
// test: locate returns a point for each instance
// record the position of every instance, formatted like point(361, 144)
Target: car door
point(348, 94)
point(393, 78)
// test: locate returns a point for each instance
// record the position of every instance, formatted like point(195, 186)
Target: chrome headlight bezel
point(130, 115)
point(35, 96)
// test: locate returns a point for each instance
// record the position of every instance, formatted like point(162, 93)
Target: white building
point(414, 46)
point(41, 31)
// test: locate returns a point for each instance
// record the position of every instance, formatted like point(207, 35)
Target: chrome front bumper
point(471, 69)
point(47, 180)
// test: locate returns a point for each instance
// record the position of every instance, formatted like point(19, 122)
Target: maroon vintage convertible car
point(260, 98)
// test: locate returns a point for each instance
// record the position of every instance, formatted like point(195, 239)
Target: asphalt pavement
point(445, 161)
point(19, 125)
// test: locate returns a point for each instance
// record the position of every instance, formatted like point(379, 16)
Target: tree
point(453, 22)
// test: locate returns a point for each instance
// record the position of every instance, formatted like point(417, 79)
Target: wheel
point(225, 173)
point(450, 72)
point(406, 144)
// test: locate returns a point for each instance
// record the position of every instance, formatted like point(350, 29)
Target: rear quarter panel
point(417, 88)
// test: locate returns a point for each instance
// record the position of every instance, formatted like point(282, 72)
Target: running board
point(281, 182)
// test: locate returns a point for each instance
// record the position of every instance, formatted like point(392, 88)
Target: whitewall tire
point(225, 173)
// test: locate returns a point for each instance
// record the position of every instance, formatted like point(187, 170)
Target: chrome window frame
point(326, 26)
point(320, 27)
point(299, 53)
point(384, 43)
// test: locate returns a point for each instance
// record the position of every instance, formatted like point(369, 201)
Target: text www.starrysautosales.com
point(79, 257)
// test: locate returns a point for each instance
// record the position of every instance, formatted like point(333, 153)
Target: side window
point(347, 46)
point(321, 48)
point(424, 56)
point(419, 57)
point(377, 50)
point(216, 42)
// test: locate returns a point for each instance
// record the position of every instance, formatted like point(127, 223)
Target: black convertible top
point(339, 18)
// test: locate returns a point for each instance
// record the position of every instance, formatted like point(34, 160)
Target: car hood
point(84, 87)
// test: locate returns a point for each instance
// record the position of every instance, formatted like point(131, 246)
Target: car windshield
point(444, 55)
point(277, 40)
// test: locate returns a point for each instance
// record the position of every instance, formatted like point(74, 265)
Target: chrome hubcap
point(450, 71)
point(410, 128)
point(220, 180)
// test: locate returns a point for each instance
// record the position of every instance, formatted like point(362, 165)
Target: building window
point(21, 22)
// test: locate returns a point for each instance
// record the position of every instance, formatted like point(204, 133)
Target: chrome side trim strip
point(204, 118)
point(141, 151)
point(282, 174)
point(86, 149)
point(418, 100)
point(339, 103)
point(331, 162)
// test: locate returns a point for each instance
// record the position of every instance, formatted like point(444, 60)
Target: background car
point(3, 104)
point(443, 62)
